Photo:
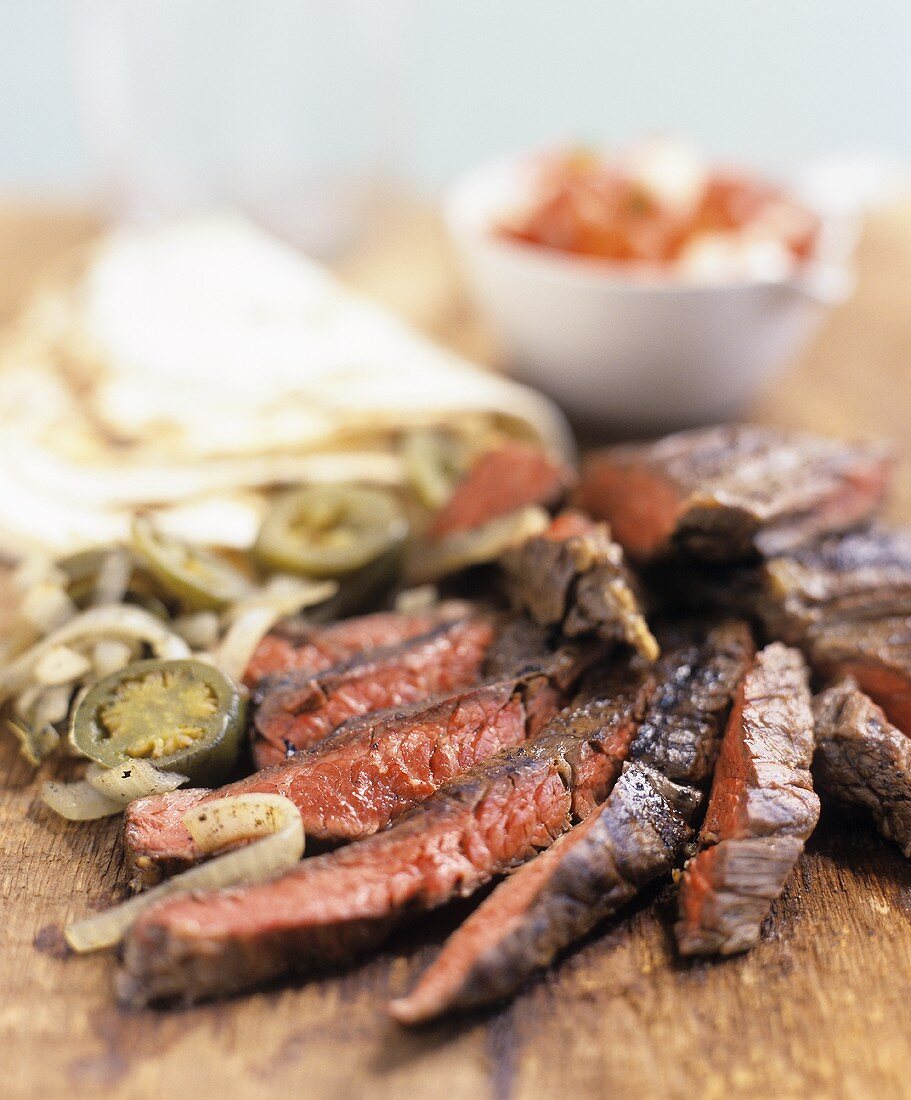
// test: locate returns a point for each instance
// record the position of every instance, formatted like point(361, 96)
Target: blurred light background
point(101, 95)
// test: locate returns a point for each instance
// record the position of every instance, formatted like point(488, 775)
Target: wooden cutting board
point(819, 1009)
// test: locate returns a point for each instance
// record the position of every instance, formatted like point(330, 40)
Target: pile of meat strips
point(624, 696)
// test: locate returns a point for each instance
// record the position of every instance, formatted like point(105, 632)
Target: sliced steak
point(372, 769)
point(729, 493)
point(586, 876)
point(573, 577)
point(860, 576)
point(313, 649)
point(339, 904)
point(761, 810)
point(697, 677)
point(863, 760)
point(877, 654)
point(500, 481)
point(295, 711)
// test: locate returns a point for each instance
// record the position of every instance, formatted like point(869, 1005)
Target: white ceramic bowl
point(624, 351)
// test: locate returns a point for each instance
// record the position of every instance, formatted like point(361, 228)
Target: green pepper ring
point(207, 760)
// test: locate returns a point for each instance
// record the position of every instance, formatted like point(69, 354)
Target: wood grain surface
point(819, 1009)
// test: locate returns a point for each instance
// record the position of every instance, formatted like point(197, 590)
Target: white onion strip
point(138, 779)
point(254, 618)
point(78, 801)
point(272, 820)
point(105, 791)
point(122, 622)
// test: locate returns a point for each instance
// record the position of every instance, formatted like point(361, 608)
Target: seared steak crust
point(587, 875)
point(729, 493)
point(295, 710)
point(697, 676)
point(333, 906)
point(299, 645)
point(761, 810)
point(863, 760)
point(573, 577)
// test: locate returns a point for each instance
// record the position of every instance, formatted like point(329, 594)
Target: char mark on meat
point(336, 905)
point(372, 769)
point(573, 577)
point(863, 760)
point(636, 836)
point(299, 710)
point(761, 810)
point(296, 644)
point(696, 679)
point(731, 493)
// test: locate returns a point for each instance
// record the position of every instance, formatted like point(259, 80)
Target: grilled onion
point(270, 820)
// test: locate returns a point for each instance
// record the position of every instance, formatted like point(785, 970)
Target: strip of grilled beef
point(296, 644)
point(589, 873)
point(372, 769)
point(877, 654)
point(573, 577)
point(863, 760)
point(500, 481)
point(701, 667)
point(295, 711)
point(729, 493)
point(855, 577)
point(761, 810)
point(336, 905)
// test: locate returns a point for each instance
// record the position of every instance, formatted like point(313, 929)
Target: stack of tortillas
point(192, 367)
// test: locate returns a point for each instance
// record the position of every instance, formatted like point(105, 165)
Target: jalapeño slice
point(330, 531)
point(183, 716)
point(196, 577)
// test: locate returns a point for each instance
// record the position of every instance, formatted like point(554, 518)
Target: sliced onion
point(35, 744)
point(60, 665)
point(435, 559)
point(254, 618)
point(113, 578)
point(78, 801)
point(124, 622)
point(110, 655)
point(273, 821)
point(414, 600)
point(138, 779)
point(46, 606)
point(199, 630)
point(51, 706)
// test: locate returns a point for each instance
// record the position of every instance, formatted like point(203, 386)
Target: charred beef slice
point(697, 677)
point(761, 810)
point(372, 769)
point(637, 835)
point(336, 905)
point(573, 577)
point(863, 760)
point(296, 644)
point(295, 710)
point(729, 493)
point(500, 481)
point(857, 577)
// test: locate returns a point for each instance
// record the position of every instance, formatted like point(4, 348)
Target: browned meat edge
point(339, 904)
point(732, 492)
point(374, 768)
point(863, 760)
point(761, 810)
point(573, 577)
point(296, 711)
point(637, 835)
point(698, 674)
